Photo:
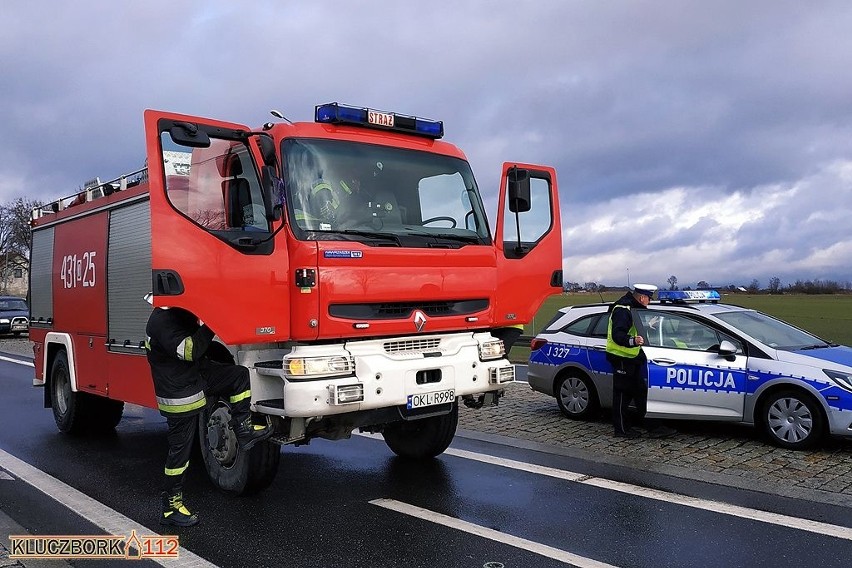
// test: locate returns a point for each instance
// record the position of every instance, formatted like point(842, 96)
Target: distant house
point(14, 278)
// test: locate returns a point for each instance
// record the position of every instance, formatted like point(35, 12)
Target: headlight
point(316, 367)
point(4, 320)
point(491, 349)
point(843, 379)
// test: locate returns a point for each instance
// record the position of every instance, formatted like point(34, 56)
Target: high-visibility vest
point(321, 184)
point(619, 350)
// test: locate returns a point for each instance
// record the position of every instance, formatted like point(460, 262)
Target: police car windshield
point(337, 186)
point(772, 332)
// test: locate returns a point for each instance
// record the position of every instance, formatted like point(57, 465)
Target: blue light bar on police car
point(688, 296)
point(334, 113)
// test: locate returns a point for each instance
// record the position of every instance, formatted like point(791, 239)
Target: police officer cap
point(645, 289)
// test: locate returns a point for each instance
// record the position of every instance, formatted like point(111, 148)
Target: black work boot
point(174, 511)
point(249, 434)
point(629, 433)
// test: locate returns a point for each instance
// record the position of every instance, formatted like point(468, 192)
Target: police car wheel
point(577, 397)
point(792, 419)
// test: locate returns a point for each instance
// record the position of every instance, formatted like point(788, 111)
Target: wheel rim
point(790, 419)
point(221, 440)
point(60, 386)
point(574, 395)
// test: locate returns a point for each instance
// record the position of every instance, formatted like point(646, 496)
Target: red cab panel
point(209, 234)
point(529, 243)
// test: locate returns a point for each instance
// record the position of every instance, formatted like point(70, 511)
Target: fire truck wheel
point(229, 468)
point(423, 438)
point(68, 406)
point(103, 414)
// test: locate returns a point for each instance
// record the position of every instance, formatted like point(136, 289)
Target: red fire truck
point(347, 262)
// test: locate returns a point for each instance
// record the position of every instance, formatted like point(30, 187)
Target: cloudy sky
point(706, 140)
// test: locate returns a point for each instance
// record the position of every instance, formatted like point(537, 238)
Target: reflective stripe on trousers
point(181, 405)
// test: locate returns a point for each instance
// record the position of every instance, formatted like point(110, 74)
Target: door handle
point(663, 362)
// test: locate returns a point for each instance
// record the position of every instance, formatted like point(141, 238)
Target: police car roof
point(707, 308)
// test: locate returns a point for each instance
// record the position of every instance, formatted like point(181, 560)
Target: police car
point(706, 361)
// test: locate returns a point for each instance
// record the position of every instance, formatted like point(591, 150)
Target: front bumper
point(387, 377)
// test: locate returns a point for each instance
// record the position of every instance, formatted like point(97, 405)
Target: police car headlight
point(318, 367)
point(843, 380)
point(491, 349)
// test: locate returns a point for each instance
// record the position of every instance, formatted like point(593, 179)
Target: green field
point(827, 316)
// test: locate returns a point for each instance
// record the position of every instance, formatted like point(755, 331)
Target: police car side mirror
point(727, 350)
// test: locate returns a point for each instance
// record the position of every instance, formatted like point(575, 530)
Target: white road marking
point(497, 536)
point(18, 361)
point(522, 466)
point(797, 523)
point(675, 498)
point(112, 522)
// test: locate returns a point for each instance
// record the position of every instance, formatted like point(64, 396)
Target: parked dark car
point(14, 315)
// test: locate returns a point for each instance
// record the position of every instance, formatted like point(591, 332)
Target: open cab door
point(529, 242)
point(212, 246)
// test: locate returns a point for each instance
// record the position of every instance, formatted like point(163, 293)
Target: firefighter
point(187, 366)
point(341, 201)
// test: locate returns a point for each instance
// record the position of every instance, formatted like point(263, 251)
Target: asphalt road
point(491, 500)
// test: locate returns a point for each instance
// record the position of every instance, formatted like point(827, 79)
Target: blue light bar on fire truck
point(334, 113)
point(683, 296)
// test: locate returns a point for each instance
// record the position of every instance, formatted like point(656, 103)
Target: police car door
point(687, 377)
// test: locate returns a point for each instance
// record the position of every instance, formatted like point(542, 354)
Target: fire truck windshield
point(348, 190)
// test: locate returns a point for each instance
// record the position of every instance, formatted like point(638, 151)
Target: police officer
point(509, 335)
point(187, 366)
point(624, 352)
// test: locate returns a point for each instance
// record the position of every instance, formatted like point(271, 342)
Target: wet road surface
point(353, 503)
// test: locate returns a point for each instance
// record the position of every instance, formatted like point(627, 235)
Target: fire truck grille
point(412, 345)
point(404, 310)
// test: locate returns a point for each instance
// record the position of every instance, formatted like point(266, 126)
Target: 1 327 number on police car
point(430, 398)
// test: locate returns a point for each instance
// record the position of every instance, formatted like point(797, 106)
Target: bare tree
point(774, 284)
point(754, 287)
point(702, 284)
point(213, 219)
point(672, 282)
point(15, 232)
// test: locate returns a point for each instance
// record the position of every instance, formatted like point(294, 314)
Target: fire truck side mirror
point(519, 190)
point(269, 183)
point(267, 149)
point(188, 134)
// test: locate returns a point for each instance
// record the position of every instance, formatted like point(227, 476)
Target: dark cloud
point(719, 98)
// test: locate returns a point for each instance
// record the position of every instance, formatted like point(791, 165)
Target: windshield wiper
point(816, 346)
point(446, 236)
point(371, 234)
point(460, 238)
